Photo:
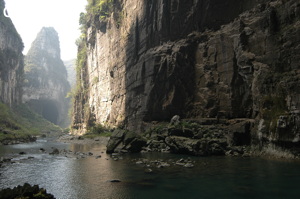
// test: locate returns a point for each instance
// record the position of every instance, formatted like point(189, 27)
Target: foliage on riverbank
point(24, 192)
point(97, 131)
point(20, 123)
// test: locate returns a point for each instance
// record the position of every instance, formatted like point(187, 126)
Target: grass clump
point(20, 122)
point(97, 130)
point(274, 106)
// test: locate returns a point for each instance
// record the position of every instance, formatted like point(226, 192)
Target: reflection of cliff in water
point(68, 177)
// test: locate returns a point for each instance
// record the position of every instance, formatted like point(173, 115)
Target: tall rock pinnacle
point(46, 84)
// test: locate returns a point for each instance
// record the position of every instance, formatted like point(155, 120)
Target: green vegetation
point(95, 80)
point(100, 11)
point(81, 89)
point(20, 122)
point(274, 106)
point(96, 16)
point(187, 125)
point(96, 131)
point(100, 8)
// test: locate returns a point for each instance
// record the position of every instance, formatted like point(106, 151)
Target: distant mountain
point(46, 84)
point(70, 66)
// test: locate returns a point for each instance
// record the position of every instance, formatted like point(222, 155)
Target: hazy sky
point(29, 16)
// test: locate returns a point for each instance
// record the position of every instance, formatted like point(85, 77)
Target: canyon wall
point(11, 61)
point(45, 84)
point(234, 60)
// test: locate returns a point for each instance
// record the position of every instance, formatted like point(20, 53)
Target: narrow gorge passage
point(149, 98)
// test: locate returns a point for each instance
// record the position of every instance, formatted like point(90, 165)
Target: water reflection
point(217, 177)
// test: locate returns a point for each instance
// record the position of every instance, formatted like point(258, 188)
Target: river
point(74, 177)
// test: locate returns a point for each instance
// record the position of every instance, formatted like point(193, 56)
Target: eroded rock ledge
point(200, 137)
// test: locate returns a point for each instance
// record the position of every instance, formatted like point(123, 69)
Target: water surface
point(89, 177)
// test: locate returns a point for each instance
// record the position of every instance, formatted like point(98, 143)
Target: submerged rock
point(54, 152)
point(115, 180)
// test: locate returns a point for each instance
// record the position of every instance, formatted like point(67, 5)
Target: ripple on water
point(214, 177)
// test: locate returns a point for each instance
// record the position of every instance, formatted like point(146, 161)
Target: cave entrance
point(47, 108)
point(50, 112)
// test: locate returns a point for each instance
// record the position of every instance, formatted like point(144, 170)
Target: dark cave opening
point(47, 108)
point(50, 112)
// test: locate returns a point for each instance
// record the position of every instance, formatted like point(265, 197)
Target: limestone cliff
point(45, 84)
point(11, 61)
point(70, 66)
point(149, 60)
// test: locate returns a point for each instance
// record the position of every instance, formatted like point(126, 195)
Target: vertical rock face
point(150, 60)
point(70, 66)
point(46, 84)
point(11, 61)
point(127, 70)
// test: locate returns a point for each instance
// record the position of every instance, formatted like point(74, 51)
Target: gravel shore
point(81, 140)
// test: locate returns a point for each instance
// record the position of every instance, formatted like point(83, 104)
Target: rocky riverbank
point(202, 137)
point(17, 140)
point(83, 140)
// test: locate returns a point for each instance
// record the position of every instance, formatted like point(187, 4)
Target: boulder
point(201, 147)
point(136, 145)
point(125, 141)
point(175, 120)
point(54, 152)
point(183, 145)
point(115, 139)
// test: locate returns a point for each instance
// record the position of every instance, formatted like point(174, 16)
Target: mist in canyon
point(199, 82)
